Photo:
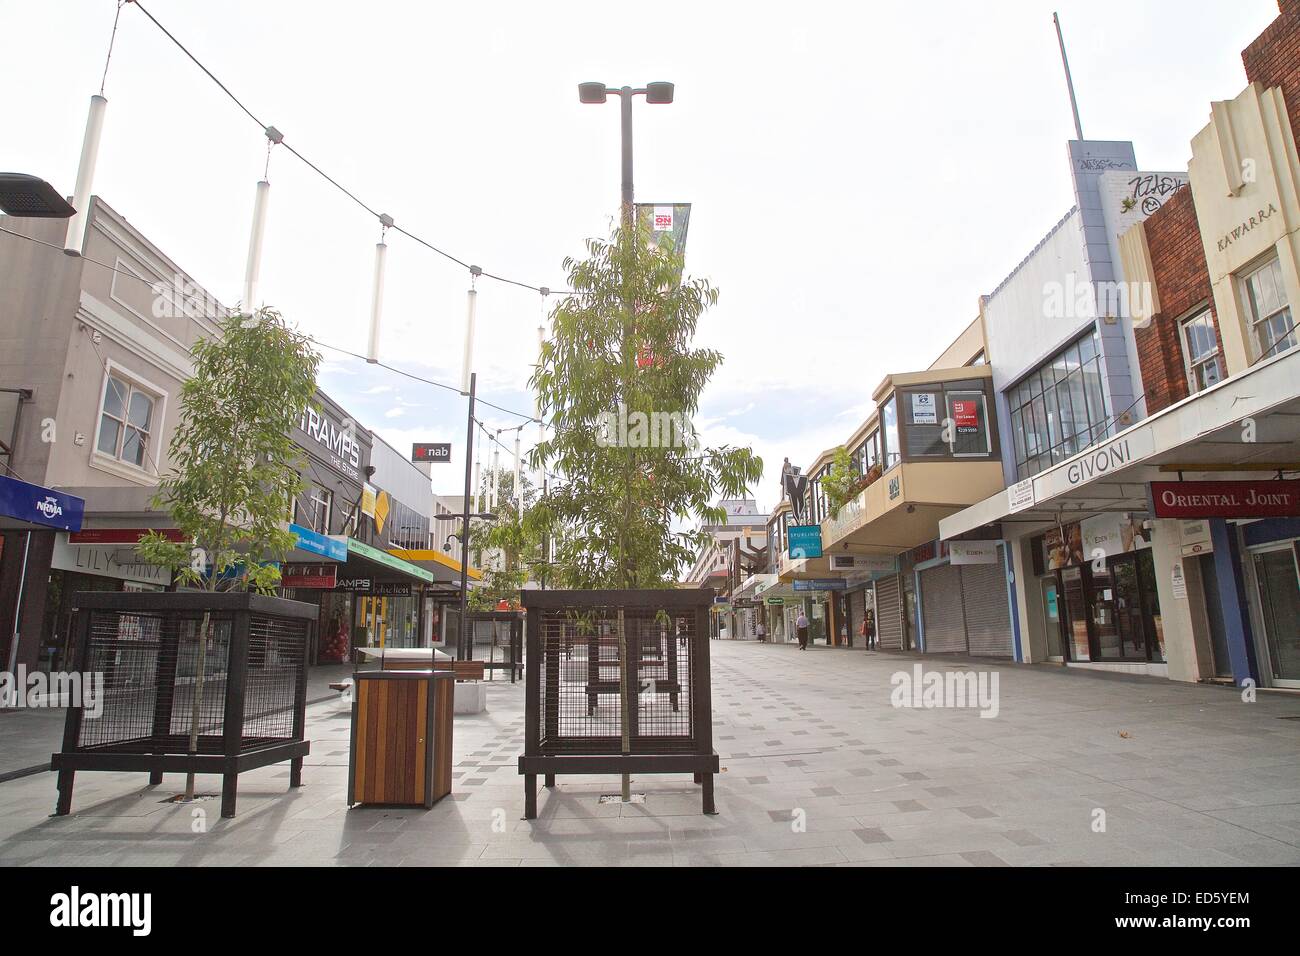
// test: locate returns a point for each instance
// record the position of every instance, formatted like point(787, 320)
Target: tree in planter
point(235, 469)
point(616, 378)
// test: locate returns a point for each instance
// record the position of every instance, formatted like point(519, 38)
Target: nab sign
point(431, 451)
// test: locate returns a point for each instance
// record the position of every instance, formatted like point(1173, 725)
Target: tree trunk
point(199, 675)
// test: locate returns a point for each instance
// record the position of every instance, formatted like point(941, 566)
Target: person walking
point(801, 629)
point(761, 632)
point(869, 629)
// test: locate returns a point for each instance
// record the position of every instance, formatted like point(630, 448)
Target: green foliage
point(624, 342)
point(234, 468)
point(841, 483)
point(512, 541)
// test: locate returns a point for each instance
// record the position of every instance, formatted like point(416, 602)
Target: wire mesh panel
point(617, 682)
point(241, 681)
point(582, 701)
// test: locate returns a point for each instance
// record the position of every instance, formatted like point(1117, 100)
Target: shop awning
point(365, 561)
point(27, 507)
point(1247, 426)
point(445, 569)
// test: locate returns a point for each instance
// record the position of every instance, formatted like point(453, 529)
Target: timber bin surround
point(572, 696)
point(253, 708)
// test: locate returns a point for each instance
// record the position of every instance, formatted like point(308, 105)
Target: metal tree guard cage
point(250, 710)
point(589, 712)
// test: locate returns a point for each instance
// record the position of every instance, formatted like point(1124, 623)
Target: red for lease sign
point(1226, 499)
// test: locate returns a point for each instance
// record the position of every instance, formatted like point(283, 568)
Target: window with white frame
point(1201, 346)
point(315, 507)
point(1268, 309)
point(126, 422)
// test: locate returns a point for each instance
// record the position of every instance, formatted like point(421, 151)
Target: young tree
point(234, 467)
point(619, 380)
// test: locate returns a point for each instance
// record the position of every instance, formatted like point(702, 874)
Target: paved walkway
point(818, 768)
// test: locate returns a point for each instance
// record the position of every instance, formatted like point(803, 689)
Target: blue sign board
point(40, 505)
point(805, 540)
point(317, 543)
point(821, 584)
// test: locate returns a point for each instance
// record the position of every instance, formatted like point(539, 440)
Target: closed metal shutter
point(988, 616)
point(857, 605)
point(889, 614)
point(941, 611)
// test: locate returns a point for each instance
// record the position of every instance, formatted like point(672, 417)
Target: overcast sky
point(860, 172)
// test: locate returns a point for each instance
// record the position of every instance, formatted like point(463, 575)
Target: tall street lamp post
point(654, 93)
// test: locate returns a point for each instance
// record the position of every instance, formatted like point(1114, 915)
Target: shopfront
point(1097, 582)
point(1273, 553)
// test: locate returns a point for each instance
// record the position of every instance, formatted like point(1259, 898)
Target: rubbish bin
point(401, 737)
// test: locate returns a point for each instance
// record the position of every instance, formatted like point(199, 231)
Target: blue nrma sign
point(45, 506)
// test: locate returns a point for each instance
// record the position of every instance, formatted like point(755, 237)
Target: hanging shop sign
point(805, 540)
point(121, 535)
point(775, 602)
point(361, 585)
point(1195, 537)
point(1104, 536)
point(314, 542)
point(973, 552)
point(876, 563)
point(436, 452)
point(321, 576)
point(821, 584)
point(925, 411)
point(44, 506)
point(1226, 499)
point(1113, 456)
point(368, 493)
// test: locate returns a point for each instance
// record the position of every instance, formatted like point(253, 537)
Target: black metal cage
point(617, 682)
point(245, 687)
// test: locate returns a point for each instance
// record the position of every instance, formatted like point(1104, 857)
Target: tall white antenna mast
point(1065, 61)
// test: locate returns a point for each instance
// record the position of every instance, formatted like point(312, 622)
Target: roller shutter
point(941, 610)
point(988, 616)
point(889, 614)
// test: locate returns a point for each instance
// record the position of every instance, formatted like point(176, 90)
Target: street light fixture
point(655, 93)
point(30, 197)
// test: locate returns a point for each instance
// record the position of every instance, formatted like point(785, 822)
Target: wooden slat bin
point(401, 737)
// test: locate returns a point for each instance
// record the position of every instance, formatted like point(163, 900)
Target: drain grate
point(618, 798)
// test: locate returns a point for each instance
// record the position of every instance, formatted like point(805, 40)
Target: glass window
point(889, 432)
point(1058, 409)
point(1201, 345)
point(1269, 311)
point(126, 422)
point(925, 424)
point(970, 427)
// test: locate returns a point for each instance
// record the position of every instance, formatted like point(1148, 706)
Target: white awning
point(1244, 426)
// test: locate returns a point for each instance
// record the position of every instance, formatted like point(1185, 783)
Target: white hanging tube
point(496, 476)
point(467, 361)
point(377, 302)
point(519, 488)
point(253, 268)
point(76, 235)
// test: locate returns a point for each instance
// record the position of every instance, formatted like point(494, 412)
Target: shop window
point(947, 420)
point(126, 422)
point(1201, 347)
point(1059, 409)
point(1268, 310)
point(314, 509)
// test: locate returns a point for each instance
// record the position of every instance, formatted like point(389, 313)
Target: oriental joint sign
point(1226, 499)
